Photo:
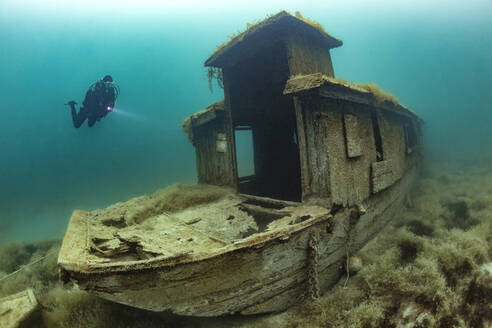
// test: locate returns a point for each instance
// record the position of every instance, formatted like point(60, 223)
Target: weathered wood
point(16, 310)
point(327, 87)
point(393, 142)
point(213, 153)
point(337, 179)
point(258, 36)
point(317, 134)
point(303, 151)
point(261, 273)
point(204, 117)
point(213, 139)
point(306, 57)
point(382, 175)
point(352, 138)
point(269, 202)
point(229, 130)
point(300, 84)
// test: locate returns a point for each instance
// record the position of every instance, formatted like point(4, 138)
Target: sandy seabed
point(431, 267)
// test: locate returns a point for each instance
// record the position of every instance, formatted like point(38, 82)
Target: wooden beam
point(301, 139)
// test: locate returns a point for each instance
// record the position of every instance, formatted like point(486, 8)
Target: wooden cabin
point(314, 139)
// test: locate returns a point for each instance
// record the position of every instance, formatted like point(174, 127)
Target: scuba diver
point(99, 101)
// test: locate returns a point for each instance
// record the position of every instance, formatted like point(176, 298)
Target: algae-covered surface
point(240, 35)
point(175, 220)
point(429, 268)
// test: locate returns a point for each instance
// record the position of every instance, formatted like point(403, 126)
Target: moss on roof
point(255, 25)
point(317, 79)
point(186, 125)
point(379, 95)
point(370, 93)
point(311, 22)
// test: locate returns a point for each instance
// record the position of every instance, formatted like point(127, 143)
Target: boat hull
point(268, 273)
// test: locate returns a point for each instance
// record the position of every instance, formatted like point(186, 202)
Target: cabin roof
point(368, 94)
point(202, 117)
point(274, 28)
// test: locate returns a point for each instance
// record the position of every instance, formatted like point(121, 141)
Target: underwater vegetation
point(426, 269)
point(251, 26)
point(379, 95)
point(168, 200)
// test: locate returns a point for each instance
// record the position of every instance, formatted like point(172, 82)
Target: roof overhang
point(327, 87)
point(263, 34)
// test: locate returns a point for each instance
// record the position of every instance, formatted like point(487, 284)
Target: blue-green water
point(436, 57)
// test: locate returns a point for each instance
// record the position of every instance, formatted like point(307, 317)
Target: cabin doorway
point(260, 110)
point(267, 157)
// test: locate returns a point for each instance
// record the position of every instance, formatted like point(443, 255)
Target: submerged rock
point(412, 315)
point(354, 264)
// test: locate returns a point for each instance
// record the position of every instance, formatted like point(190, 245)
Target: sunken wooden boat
point(296, 171)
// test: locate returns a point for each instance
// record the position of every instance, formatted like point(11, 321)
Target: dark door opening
point(258, 105)
point(267, 157)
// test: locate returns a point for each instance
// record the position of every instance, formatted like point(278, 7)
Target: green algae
point(425, 259)
point(239, 35)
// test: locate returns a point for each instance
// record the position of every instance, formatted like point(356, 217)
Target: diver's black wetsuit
point(99, 101)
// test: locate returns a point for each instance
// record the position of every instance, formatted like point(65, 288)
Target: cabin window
point(377, 137)
point(244, 152)
point(352, 138)
point(411, 140)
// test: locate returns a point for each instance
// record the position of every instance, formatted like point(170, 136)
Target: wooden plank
point(382, 175)
point(330, 88)
point(204, 117)
point(307, 57)
point(212, 147)
point(229, 130)
point(16, 309)
point(393, 141)
point(303, 152)
point(318, 137)
point(298, 84)
point(352, 138)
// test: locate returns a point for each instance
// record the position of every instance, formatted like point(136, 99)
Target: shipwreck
point(332, 163)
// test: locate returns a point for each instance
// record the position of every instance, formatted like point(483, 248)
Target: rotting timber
point(18, 310)
point(333, 163)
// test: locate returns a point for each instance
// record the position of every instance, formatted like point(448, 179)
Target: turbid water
point(434, 56)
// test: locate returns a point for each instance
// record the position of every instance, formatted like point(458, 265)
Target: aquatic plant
point(215, 73)
point(311, 22)
point(17, 256)
point(239, 35)
point(379, 95)
point(168, 200)
point(419, 267)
